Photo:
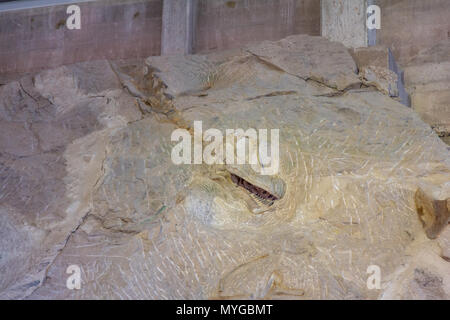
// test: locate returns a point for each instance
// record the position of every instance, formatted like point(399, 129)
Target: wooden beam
point(178, 27)
point(345, 21)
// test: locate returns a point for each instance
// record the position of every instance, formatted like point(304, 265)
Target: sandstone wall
point(37, 38)
point(427, 76)
point(408, 26)
point(33, 39)
point(225, 24)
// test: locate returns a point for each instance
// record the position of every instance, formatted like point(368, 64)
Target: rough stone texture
point(427, 77)
point(424, 275)
point(140, 226)
point(429, 65)
point(51, 152)
point(373, 66)
point(383, 79)
point(377, 56)
point(410, 26)
point(337, 71)
point(434, 209)
point(223, 24)
point(37, 38)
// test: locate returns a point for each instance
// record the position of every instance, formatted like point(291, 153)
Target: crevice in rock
point(58, 253)
point(265, 196)
point(156, 101)
point(272, 94)
point(71, 233)
point(306, 79)
point(26, 92)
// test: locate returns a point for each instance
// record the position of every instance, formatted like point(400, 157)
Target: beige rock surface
point(323, 61)
point(377, 56)
point(112, 201)
point(433, 206)
point(51, 149)
point(427, 77)
point(383, 79)
point(373, 66)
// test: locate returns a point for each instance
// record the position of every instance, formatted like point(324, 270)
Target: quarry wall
point(36, 38)
point(229, 24)
point(409, 26)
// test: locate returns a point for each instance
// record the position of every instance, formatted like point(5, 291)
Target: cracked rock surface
point(86, 179)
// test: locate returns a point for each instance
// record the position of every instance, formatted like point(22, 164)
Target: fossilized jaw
point(228, 198)
point(268, 189)
point(331, 196)
point(263, 195)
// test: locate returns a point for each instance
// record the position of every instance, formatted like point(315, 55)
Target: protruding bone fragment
point(434, 211)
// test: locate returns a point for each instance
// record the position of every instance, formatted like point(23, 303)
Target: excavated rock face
point(427, 77)
point(139, 226)
point(373, 66)
point(53, 130)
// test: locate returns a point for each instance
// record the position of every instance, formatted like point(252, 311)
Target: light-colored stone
point(377, 56)
point(433, 206)
point(140, 226)
point(383, 79)
point(374, 69)
point(315, 63)
point(434, 108)
point(409, 26)
point(427, 77)
point(51, 156)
